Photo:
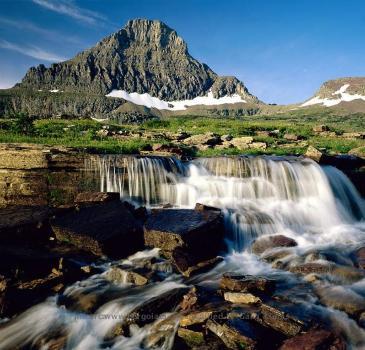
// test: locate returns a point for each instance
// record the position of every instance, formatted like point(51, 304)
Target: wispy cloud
point(69, 8)
point(46, 33)
point(31, 51)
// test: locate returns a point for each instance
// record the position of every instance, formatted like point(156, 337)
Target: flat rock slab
point(108, 229)
point(185, 228)
point(247, 283)
point(88, 198)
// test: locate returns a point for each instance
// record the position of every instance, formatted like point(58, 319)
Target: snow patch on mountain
point(154, 102)
point(328, 102)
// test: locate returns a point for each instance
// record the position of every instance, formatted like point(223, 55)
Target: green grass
point(82, 133)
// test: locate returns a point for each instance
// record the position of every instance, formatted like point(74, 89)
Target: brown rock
point(279, 320)
point(320, 128)
point(360, 257)
point(314, 153)
point(313, 340)
point(246, 283)
point(268, 242)
point(305, 269)
point(292, 137)
point(241, 298)
point(191, 338)
point(118, 275)
point(85, 198)
point(197, 317)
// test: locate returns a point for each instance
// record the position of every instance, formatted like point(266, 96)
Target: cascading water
point(318, 207)
point(259, 195)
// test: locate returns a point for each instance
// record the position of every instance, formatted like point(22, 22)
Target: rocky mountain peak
point(145, 56)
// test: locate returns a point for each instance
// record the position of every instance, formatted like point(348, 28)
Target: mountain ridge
point(145, 56)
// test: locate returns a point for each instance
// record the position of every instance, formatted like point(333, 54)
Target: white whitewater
point(318, 207)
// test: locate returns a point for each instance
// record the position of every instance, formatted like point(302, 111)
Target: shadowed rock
point(108, 229)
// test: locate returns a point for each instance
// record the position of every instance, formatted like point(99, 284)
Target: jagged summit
point(145, 56)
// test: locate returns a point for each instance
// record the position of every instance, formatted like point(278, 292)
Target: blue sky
point(281, 49)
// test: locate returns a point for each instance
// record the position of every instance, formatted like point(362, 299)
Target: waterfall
point(258, 195)
point(318, 207)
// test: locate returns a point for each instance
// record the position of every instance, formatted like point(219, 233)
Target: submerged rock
point(341, 298)
point(268, 242)
point(108, 229)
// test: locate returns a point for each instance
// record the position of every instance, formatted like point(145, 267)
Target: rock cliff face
point(144, 57)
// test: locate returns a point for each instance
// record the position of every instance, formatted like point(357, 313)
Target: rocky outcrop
point(35, 175)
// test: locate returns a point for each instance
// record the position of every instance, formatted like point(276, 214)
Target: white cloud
point(32, 51)
point(47, 33)
point(68, 8)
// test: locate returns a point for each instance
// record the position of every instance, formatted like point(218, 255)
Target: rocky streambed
point(220, 253)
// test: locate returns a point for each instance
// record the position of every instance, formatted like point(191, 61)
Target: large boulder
point(105, 229)
point(268, 242)
point(181, 234)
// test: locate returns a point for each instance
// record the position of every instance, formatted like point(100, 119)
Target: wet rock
point(162, 332)
point(281, 321)
point(360, 257)
point(341, 298)
point(314, 339)
point(314, 153)
point(180, 235)
point(152, 308)
point(118, 275)
point(87, 198)
point(193, 318)
point(190, 299)
point(108, 229)
point(21, 295)
point(243, 334)
point(268, 242)
point(241, 298)
point(186, 263)
point(190, 337)
point(305, 269)
point(247, 283)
